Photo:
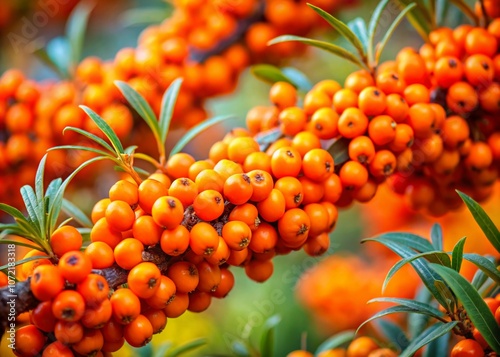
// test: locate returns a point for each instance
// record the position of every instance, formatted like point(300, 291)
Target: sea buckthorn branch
point(14, 300)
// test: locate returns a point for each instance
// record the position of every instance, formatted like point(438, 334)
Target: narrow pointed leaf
point(430, 334)
point(196, 130)
point(76, 27)
point(76, 213)
point(270, 74)
point(167, 108)
point(12, 211)
point(476, 308)
point(22, 261)
point(372, 27)
point(464, 8)
point(392, 310)
point(267, 339)
point(43, 56)
point(300, 79)
point(479, 279)
point(341, 28)
point(335, 341)
point(21, 244)
point(417, 322)
point(410, 240)
point(141, 106)
point(489, 229)
point(90, 136)
point(390, 31)
point(339, 151)
point(437, 236)
point(188, 347)
point(29, 199)
point(145, 16)
point(105, 128)
point(336, 50)
point(423, 307)
point(458, 254)
point(419, 19)
point(55, 205)
point(393, 333)
point(39, 182)
point(83, 148)
point(427, 275)
point(162, 349)
point(439, 346)
point(58, 50)
point(486, 266)
point(434, 256)
point(358, 26)
point(51, 192)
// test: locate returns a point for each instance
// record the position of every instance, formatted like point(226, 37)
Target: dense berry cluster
point(207, 43)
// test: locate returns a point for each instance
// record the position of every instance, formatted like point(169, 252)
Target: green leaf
point(457, 255)
point(341, 28)
point(390, 31)
point(76, 27)
point(141, 106)
point(479, 279)
point(83, 148)
point(335, 341)
point(434, 256)
point(339, 151)
point(483, 220)
point(39, 190)
point(430, 334)
point(145, 16)
point(43, 56)
point(418, 19)
point(449, 302)
point(486, 266)
point(29, 199)
point(90, 136)
point(12, 211)
point(392, 310)
point(439, 346)
point(476, 308)
point(56, 202)
point(441, 10)
point(437, 236)
point(410, 240)
point(336, 50)
point(75, 212)
point(372, 27)
point(267, 338)
point(58, 50)
point(270, 74)
point(268, 137)
point(464, 8)
point(421, 307)
point(417, 322)
point(51, 192)
point(196, 130)
point(21, 244)
point(358, 26)
point(393, 333)
point(162, 349)
point(167, 108)
point(105, 128)
point(188, 347)
point(299, 78)
point(22, 261)
point(400, 245)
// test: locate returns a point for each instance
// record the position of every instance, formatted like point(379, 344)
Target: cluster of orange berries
point(200, 43)
point(426, 121)
point(173, 238)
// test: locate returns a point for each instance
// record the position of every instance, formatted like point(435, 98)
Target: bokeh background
point(315, 297)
